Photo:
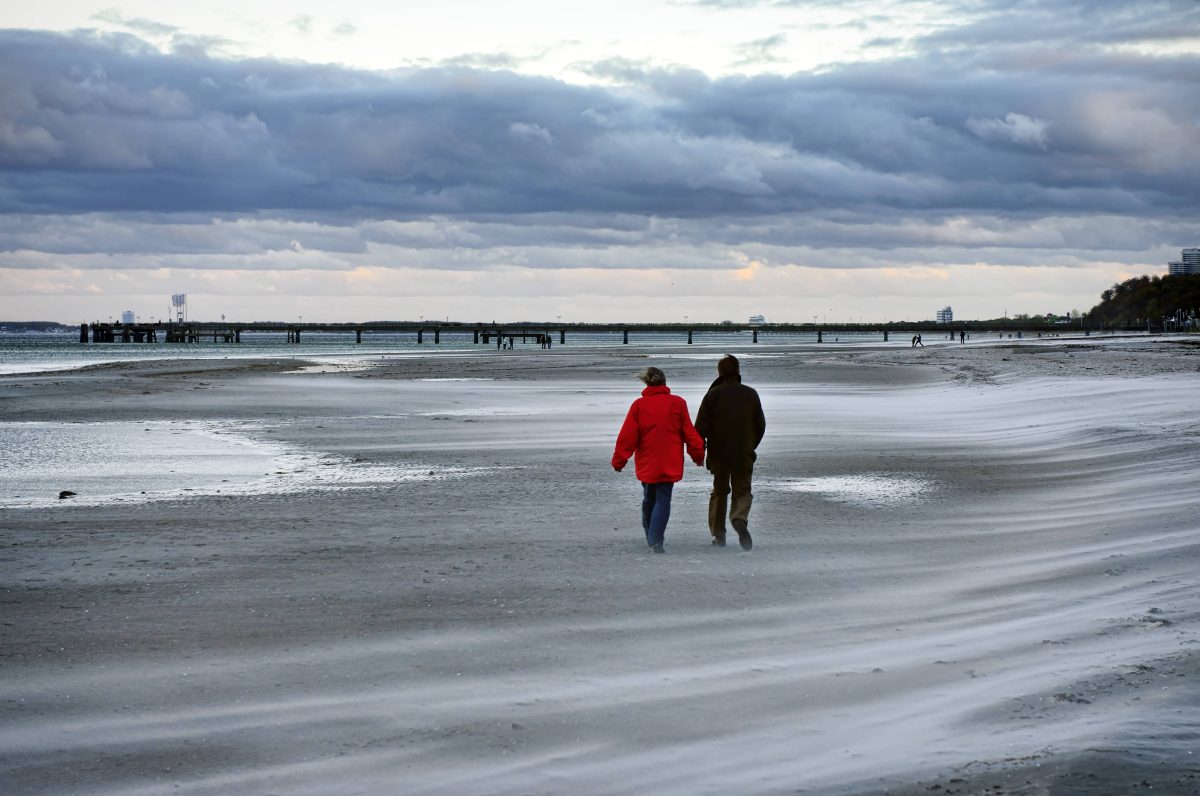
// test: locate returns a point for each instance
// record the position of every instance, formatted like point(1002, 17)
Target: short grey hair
point(653, 377)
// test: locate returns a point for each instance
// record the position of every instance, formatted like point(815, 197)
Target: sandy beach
point(975, 571)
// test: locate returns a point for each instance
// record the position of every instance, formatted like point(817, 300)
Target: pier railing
point(546, 332)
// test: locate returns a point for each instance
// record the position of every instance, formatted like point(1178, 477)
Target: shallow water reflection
point(864, 489)
point(132, 462)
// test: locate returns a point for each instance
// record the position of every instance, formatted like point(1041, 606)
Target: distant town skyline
point(713, 159)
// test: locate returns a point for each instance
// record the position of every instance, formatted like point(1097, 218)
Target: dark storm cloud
point(110, 124)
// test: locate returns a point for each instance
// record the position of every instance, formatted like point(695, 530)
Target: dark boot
point(743, 535)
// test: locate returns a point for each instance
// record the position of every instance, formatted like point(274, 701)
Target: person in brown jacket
point(732, 424)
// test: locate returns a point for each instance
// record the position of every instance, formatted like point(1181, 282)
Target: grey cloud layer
point(110, 124)
point(978, 146)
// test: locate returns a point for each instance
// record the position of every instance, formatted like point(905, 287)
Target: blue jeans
point(656, 510)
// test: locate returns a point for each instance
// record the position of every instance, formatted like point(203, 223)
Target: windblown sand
point(975, 571)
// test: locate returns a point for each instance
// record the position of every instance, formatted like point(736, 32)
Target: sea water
point(117, 462)
point(39, 352)
point(102, 461)
point(879, 490)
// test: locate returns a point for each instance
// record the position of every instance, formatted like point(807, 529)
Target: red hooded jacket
point(654, 433)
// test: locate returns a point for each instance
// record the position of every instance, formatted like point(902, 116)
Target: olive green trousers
point(719, 502)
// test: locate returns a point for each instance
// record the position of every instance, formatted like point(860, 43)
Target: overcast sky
point(597, 161)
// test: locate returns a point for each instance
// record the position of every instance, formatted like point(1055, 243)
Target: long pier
point(542, 333)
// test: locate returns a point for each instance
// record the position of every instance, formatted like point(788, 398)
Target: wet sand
point(974, 572)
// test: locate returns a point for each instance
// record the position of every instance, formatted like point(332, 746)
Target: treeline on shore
point(1151, 299)
point(36, 326)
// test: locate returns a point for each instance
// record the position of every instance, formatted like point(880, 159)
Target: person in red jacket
point(655, 432)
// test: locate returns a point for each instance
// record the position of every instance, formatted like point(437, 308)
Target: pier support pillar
point(562, 337)
point(820, 336)
point(420, 336)
point(358, 336)
point(83, 332)
point(885, 335)
point(689, 336)
point(237, 335)
point(756, 335)
point(626, 340)
point(297, 337)
point(476, 337)
point(437, 335)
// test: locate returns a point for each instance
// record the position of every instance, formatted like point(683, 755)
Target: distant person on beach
point(962, 335)
point(656, 430)
point(916, 341)
point(732, 423)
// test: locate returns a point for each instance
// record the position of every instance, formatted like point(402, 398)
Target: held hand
point(618, 468)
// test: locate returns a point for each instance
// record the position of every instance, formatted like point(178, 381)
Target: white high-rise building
point(1189, 263)
point(127, 317)
point(945, 315)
